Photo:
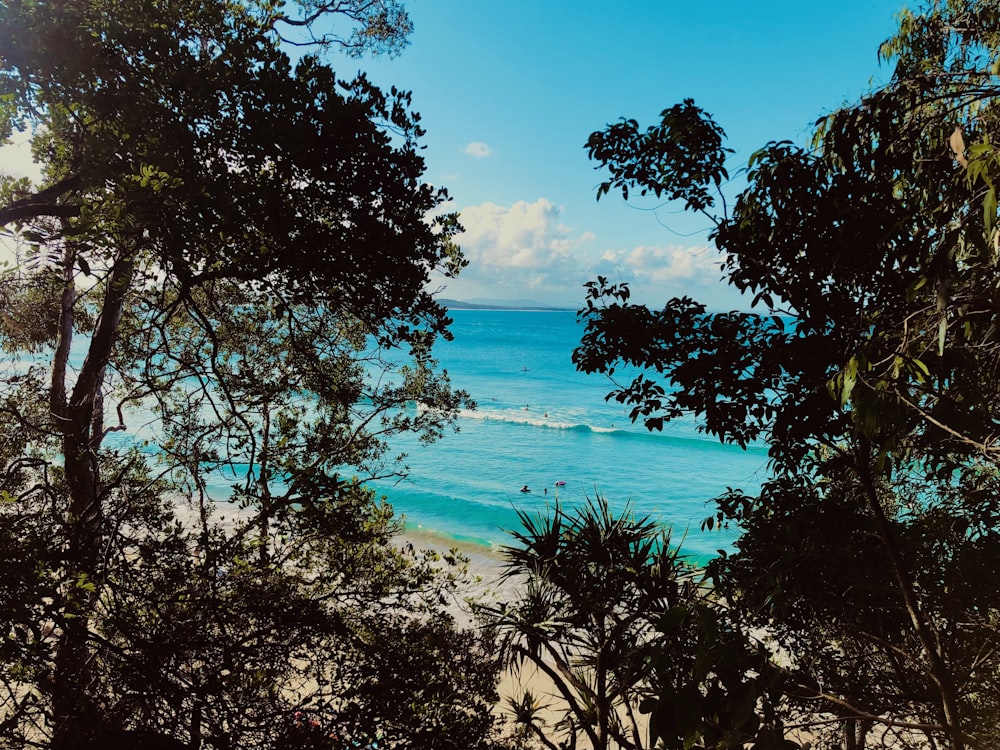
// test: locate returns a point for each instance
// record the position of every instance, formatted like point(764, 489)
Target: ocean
point(541, 424)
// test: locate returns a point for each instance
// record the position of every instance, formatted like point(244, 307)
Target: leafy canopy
point(222, 278)
point(871, 376)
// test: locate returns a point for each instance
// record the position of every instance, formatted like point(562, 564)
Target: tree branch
point(43, 203)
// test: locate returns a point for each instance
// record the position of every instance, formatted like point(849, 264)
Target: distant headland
point(527, 305)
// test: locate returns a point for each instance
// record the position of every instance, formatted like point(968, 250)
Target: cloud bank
point(527, 250)
point(665, 265)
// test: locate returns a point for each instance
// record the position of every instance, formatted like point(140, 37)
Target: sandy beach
point(485, 567)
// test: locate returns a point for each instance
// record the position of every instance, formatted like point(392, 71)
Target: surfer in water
point(525, 489)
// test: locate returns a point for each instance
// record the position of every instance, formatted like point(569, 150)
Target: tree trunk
point(850, 734)
point(265, 484)
point(929, 642)
point(75, 718)
point(602, 701)
point(194, 743)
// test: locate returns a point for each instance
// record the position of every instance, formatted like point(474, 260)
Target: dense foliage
point(611, 616)
point(873, 379)
point(221, 280)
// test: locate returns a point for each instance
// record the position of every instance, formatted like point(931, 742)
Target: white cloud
point(657, 273)
point(526, 236)
point(478, 149)
point(520, 250)
point(665, 265)
point(527, 250)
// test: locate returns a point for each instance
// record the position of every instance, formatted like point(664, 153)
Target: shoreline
point(480, 554)
point(484, 582)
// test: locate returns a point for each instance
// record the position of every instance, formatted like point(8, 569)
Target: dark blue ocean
point(540, 422)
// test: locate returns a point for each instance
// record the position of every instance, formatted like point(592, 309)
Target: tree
point(222, 278)
point(811, 572)
point(875, 371)
point(611, 614)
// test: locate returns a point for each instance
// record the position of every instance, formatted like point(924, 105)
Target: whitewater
point(542, 425)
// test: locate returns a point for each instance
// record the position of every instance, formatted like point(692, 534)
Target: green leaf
point(849, 380)
point(847, 388)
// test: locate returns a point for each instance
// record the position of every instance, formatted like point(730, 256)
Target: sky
point(509, 93)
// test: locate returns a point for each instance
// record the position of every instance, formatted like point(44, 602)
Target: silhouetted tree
point(873, 379)
point(221, 278)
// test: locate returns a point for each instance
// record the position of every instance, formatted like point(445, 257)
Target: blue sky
point(510, 91)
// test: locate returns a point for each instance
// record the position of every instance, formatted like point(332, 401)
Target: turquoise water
point(539, 422)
